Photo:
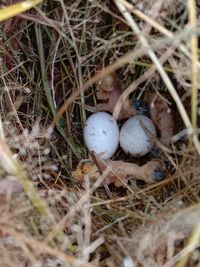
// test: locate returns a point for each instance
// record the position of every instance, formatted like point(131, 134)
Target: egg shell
point(133, 137)
point(101, 134)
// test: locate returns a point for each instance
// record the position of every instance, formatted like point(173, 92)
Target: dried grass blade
point(194, 57)
point(13, 167)
point(12, 10)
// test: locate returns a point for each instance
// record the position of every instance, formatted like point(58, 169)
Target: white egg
point(101, 134)
point(134, 139)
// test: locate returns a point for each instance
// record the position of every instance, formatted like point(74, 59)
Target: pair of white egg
point(102, 135)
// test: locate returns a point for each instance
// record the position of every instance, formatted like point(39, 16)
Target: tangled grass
point(51, 59)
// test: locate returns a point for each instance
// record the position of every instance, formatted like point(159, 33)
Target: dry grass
point(51, 59)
